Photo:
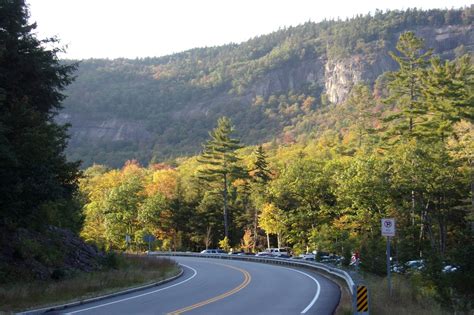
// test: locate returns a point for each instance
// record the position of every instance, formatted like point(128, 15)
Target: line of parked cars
point(419, 265)
point(281, 253)
point(273, 252)
point(409, 266)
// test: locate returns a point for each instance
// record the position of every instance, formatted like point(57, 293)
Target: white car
point(213, 251)
point(415, 264)
point(450, 268)
point(308, 256)
point(276, 252)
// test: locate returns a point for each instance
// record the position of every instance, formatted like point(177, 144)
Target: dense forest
point(274, 87)
point(411, 161)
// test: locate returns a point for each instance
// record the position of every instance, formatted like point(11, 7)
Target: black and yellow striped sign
point(362, 299)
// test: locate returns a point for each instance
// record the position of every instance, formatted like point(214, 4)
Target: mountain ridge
point(163, 107)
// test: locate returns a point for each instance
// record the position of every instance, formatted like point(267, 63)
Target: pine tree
point(260, 175)
point(220, 162)
point(260, 172)
point(36, 181)
point(360, 105)
point(406, 94)
point(406, 88)
point(449, 96)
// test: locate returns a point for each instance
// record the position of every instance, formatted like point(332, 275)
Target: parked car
point(213, 251)
point(415, 265)
point(450, 268)
point(284, 256)
point(397, 268)
point(246, 254)
point(278, 252)
point(264, 254)
point(308, 256)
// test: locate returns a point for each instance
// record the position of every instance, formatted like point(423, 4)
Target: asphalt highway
point(213, 286)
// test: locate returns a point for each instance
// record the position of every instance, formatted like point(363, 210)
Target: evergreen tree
point(260, 172)
point(406, 94)
point(220, 162)
point(406, 89)
point(260, 175)
point(449, 96)
point(360, 106)
point(34, 174)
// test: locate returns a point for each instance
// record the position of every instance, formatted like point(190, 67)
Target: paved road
point(212, 286)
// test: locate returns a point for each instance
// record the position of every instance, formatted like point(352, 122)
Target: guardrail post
point(361, 300)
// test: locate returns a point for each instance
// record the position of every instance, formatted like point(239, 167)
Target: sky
point(150, 28)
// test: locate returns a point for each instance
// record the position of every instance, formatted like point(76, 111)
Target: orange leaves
point(164, 182)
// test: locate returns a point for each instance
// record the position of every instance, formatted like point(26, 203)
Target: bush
point(373, 256)
point(58, 274)
point(111, 261)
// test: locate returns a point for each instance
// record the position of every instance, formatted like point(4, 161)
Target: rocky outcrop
point(342, 73)
point(290, 77)
point(111, 129)
point(53, 253)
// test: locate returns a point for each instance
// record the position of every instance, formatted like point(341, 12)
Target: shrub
point(111, 260)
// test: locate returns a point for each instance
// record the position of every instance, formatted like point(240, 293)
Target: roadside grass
point(408, 297)
point(122, 271)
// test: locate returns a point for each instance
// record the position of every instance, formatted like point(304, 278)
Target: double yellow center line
point(247, 279)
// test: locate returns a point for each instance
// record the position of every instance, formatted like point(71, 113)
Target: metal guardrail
point(273, 260)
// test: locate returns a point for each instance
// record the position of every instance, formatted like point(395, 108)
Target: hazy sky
point(142, 28)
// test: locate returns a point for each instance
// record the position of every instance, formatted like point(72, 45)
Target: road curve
point(213, 286)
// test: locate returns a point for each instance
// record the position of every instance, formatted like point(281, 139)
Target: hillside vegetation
point(411, 161)
point(273, 87)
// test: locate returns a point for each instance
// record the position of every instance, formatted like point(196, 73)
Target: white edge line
point(316, 296)
point(140, 295)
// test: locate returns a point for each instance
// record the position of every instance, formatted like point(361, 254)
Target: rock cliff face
point(290, 77)
point(342, 73)
point(113, 129)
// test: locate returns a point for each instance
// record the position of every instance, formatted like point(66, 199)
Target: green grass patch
point(122, 271)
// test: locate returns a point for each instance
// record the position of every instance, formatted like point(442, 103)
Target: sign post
point(149, 238)
point(128, 239)
point(388, 230)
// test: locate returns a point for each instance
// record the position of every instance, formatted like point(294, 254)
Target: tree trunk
point(208, 237)
point(226, 226)
point(255, 225)
point(279, 240)
point(268, 240)
point(442, 236)
point(423, 216)
point(472, 198)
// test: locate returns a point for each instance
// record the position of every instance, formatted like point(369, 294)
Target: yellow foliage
point(164, 182)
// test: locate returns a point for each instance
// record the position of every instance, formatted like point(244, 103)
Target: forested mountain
point(281, 86)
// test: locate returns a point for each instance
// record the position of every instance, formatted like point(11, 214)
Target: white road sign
point(388, 227)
